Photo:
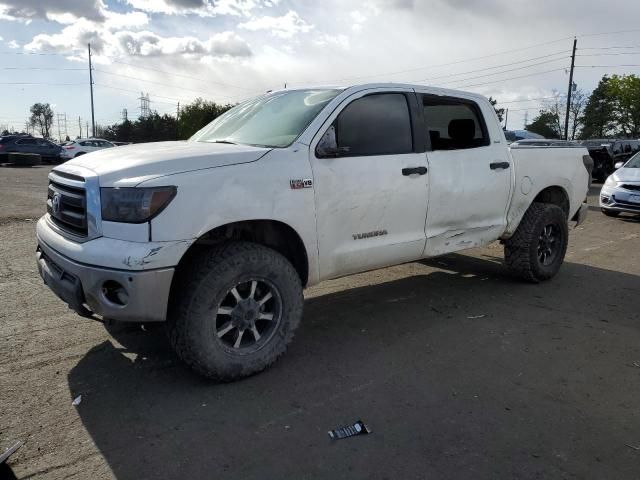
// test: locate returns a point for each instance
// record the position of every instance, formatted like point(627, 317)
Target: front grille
point(628, 186)
point(68, 207)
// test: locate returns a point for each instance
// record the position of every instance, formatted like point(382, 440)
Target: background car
point(75, 148)
point(48, 151)
point(621, 192)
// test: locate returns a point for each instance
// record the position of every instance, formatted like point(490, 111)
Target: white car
point(621, 191)
point(75, 148)
point(219, 235)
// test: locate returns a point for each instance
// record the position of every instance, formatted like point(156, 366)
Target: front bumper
point(86, 288)
point(620, 200)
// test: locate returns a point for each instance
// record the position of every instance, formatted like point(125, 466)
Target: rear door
point(470, 174)
point(371, 194)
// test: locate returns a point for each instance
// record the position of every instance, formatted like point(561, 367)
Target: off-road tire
point(521, 250)
point(610, 213)
point(202, 284)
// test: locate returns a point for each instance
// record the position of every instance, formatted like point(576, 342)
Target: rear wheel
point(234, 310)
point(536, 250)
point(610, 213)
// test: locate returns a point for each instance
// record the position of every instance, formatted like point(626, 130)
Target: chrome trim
point(91, 186)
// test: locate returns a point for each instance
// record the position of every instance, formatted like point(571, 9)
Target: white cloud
point(27, 10)
point(12, 44)
point(203, 8)
point(285, 26)
point(150, 44)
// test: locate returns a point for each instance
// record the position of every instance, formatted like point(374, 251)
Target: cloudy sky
point(228, 50)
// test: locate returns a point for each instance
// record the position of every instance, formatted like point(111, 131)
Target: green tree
point(196, 115)
point(41, 118)
point(624, 92)
point(598, 117)
point(499, 111)
point(545, 124)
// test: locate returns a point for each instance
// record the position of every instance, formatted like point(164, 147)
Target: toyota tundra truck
point(217, 236)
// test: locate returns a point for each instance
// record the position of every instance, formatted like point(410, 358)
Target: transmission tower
point(145, 109)
point(526, 118)
point(125, 114)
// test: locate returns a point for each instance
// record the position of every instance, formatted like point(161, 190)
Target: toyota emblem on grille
point(55, 204)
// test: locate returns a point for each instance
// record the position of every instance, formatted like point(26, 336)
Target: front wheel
point(536, 250)
point(234, 310)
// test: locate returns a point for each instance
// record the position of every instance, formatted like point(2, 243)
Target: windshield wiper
point(225, 141)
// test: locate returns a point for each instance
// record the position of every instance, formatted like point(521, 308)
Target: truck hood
point(131, 164)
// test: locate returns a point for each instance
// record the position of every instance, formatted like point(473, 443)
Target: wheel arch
point(270, 233)
point(555, 195)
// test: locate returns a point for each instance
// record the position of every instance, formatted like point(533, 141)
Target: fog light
point(115, 292)
point(604, 199)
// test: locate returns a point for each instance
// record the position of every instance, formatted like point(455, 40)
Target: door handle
point(499, 165)
point(413, 170)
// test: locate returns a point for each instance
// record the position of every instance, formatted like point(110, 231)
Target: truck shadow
point(393, 353)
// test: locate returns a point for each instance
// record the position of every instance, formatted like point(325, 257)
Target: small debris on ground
point(10, 451)
point(76, 401)
point(635, 447)
point(358, 428)
point(472, 317)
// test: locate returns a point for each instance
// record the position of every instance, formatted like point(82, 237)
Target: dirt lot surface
point(460, 371)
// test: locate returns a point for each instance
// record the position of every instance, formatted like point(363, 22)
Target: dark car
point(48, 151)
point(607, 152)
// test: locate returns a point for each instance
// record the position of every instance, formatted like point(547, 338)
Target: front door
point(470, 174)
point(371, 194)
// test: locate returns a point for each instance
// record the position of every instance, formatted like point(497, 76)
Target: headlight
point(134, 205)
point(610, 182)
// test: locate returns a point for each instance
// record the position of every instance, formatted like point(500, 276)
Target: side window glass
point(376, 124)
point(453, 124)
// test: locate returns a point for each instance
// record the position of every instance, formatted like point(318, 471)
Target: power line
point(608, 66)
point(41, 83)
point(180, 75)
point(505, 71)
point(605, 54)
point(202, 92)
point(511, 78)
point(531, 100)
point(41, 68)
point(498, 66)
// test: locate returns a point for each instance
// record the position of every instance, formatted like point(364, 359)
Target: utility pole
point(88, 130)
point(80, 126)
point(566, 118)
point(93, 122)
point(506, 118)
point(526, 119)
point(66, 133)
point(178, 112)
point(58, 118)
point(125, 115)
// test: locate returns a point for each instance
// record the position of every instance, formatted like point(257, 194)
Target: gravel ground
point(459, 370)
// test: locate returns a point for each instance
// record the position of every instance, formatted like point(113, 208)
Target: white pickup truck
point(218, 235)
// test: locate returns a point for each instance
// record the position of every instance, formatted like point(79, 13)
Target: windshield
point(273, 120)
point(634, 162)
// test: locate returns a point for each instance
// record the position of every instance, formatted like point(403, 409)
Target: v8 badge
point(301, 183)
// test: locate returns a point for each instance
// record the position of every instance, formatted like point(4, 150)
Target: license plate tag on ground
point(634, 198)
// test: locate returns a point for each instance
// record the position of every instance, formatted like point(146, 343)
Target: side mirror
point(328, 145)
point(618, 165)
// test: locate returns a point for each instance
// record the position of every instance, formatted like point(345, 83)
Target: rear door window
point(453, 124)
point(377, 124)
